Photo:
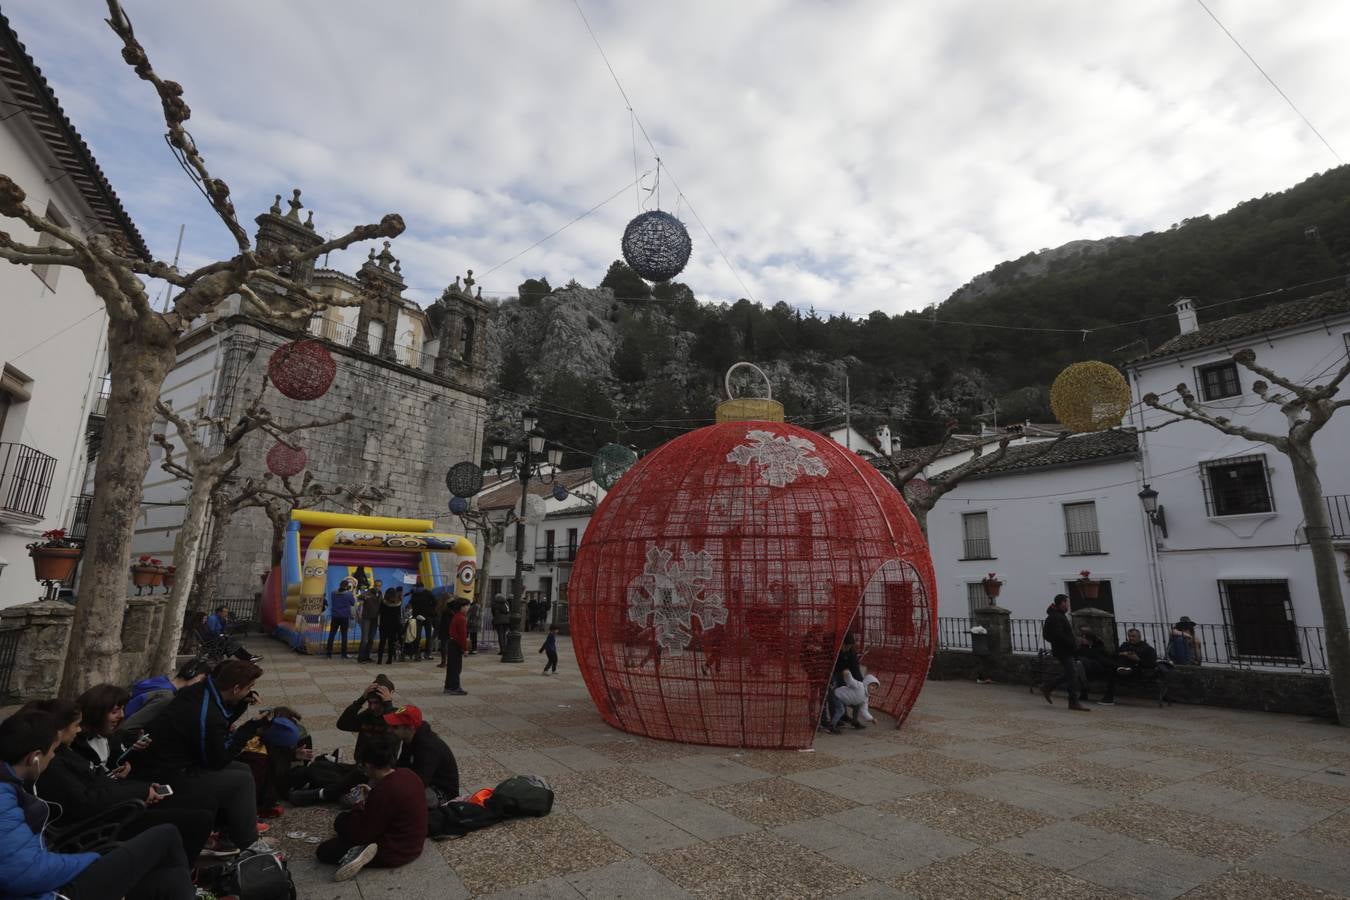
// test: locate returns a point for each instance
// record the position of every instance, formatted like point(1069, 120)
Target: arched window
point(466, 340)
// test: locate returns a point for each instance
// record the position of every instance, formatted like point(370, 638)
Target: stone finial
point(457, 287)
point(480, 292)
point(371, 256)
point(276, 206)
point(468, 280)
point(386, 258)
point(309, 222)
point(295, 205)
point(398, 266)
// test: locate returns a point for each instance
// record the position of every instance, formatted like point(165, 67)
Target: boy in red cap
point(426, 754)
point(388, 826)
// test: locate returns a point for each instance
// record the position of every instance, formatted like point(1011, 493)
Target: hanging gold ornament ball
point(1090, 396)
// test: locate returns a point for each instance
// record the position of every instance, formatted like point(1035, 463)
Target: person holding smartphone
point(101, 714)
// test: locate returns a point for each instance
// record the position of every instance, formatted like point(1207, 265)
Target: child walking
point(551, 648)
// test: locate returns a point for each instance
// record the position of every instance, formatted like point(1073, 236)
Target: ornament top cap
point(749, 409)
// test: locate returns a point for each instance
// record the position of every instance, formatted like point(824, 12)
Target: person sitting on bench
point(1135, 658)
point(1098, 665)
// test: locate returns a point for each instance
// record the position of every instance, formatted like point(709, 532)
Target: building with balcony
point(52, 348)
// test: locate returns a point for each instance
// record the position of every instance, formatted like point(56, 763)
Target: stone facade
point(41, 655)
point(409, 427)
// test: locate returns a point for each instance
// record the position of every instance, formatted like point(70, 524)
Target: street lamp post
point(525, 468)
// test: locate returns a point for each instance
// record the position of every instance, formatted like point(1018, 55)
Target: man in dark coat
point(501, 620)
point(423, 604)
point(426, 754)
point(1058, 633)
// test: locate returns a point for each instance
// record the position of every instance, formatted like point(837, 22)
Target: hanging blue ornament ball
point(559, 493)
point(459, 505)
point(656, 245)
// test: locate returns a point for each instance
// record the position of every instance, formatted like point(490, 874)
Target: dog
point(854, 693)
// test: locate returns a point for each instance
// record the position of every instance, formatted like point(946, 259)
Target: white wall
point(55, 337)
point(1201, 549)
point(1026, 529)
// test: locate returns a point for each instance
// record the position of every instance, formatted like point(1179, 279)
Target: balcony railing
point(25, 480)
point(1338, 510)
point(977, 548)
point(1083, 543)
point(78, 527)
point(558, 553)
point(100, 408)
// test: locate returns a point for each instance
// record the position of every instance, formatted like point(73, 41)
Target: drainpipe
point(1157, 585)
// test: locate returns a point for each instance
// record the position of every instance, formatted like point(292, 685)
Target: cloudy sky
point(847, 155)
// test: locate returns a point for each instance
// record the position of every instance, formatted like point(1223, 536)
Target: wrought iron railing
point(25, 479)
point(1083, 543)
point(558, 553)
point(78, 527)
point(1338, 510)
point(9, 654)
point(245, 612)
point(977, 548)
point(953, 633)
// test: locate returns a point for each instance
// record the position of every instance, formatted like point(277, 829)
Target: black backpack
point(521, 795)
point(457, 818)
point(325, 773)
point(257, 876)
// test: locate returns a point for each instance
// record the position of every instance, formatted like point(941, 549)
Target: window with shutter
point(1081, 536)
point(975, 530)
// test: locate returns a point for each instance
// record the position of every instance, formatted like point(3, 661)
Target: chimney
point(1186, 320)
point(884, 439)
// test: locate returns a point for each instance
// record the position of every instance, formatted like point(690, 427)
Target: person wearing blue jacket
point(150, 866)
point(150, 696)
point(340, 615)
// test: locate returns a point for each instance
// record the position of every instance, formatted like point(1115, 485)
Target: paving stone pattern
point(986, 792)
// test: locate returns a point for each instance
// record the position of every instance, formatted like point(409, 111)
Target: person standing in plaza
point(457, 645)
point(1058, 633)
point(391, 624)
point(550, 649)
point(501, 620)
point(340, 615)
point(423, 606)
point(370, 620)
point(474, 615)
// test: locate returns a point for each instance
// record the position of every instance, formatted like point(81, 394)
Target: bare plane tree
point(1307, 409)
point(142, 346)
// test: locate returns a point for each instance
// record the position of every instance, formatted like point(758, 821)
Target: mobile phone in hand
point(162, 790)
point(123, 758)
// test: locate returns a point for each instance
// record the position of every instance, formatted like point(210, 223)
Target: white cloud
point(851, 155)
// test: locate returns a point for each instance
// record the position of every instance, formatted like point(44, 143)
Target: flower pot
point(168, 581)
point(54, 563)
point(1087, 590)
point(146, 576)
point(992, 589)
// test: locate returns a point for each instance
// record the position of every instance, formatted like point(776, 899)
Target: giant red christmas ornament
point(718, 578)
point(302, 370)
point(286, 461)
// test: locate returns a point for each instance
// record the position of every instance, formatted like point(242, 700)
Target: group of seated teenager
point(64, 763)
point(1134, 659)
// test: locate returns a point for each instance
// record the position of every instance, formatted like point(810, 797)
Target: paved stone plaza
point(986, 792)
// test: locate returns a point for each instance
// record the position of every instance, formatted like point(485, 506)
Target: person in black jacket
point(391, 625)
point(501, 620)
point(846, 661)
point(426, 754)
point(194, 743)
point(423, 604)
point(83, 790)
point(365, 714)
point(1098, 664)
point(1058, 633)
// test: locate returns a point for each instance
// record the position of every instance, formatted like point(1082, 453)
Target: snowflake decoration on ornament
point(782, 460)
point(668, 595)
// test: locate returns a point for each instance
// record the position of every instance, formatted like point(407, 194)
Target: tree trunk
point(207, 586)
point(1318, 526)
point(124, 458)
point(186, 549)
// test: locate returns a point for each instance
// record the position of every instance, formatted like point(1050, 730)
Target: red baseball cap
point(405, 715)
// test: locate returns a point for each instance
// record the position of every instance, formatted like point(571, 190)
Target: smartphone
point(123, 758)
point(265, 712)
point(163, 790)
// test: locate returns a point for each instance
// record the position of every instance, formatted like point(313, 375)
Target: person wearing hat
point(1182, 647)
point(425, 753)
point(271, 753)
point(457, 645)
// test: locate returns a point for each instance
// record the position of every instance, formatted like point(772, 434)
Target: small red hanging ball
point(302, 370)
point(286, 461)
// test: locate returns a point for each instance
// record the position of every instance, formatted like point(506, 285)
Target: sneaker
point(255, 659)
point(263, 828)
point(218, 847)
point(272, 812)
point(354, 860)
point(1106, 701)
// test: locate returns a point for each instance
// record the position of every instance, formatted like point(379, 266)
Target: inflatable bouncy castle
point(323, 548)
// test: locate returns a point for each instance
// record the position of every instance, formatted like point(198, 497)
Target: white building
point(553, 532)
point(1038, 518)
point(1232, 552)
point(53, 344)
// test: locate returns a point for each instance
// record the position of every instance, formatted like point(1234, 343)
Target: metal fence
point(1338, 510)
point(25, 479)
point(9, 652)
point(245, 612)
point(1215, 645)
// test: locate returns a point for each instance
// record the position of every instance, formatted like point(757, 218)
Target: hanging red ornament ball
point(718, 579)
point(302, 370)
point(286, 461)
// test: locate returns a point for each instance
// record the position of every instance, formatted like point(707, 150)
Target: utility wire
point(1266, 75)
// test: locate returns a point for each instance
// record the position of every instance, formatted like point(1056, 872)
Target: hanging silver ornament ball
point(656, 245)
point(459, 505)
point(559, 493)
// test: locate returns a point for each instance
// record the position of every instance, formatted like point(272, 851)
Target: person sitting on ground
point(1098, 665)
point(388, 826)
point(83, 790)
point(195, 742)
point(148, 866)
point(426, 754)
point(272, 753)
point(1135, 656)
point(102, 740)
point(847, 661)
point(149, 696)
point(365, 715)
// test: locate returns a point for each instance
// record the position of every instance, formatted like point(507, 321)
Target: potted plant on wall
point(992, 585)
point(54, 557)
point(168, 577)
point(1087, 588)
point(147, 572)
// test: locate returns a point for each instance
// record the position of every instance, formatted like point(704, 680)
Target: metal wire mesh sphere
point(656, 245)
point(611, 461)
point(302, 370)
point(464, 479)
point(459, 505)
point(1090, 396)
point(286, 461)
point(716, 581)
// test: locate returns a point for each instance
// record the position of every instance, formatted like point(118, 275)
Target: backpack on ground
point(257, 876)
point(521, 795)
point(325, 773)
point(457, 818)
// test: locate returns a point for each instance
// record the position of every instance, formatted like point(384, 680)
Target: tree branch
point(176, 112)
point(1195, 413)
point(1247, 359)
point(390, 226)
